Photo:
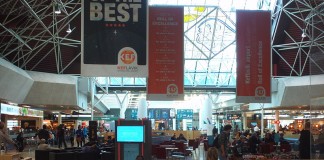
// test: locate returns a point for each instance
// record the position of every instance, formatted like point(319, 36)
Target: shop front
point(21, 119)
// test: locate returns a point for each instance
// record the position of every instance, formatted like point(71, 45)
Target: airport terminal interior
point(52, 108)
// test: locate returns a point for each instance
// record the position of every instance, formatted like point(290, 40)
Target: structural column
point(244, 118)
point(262, 122)
point(92, 89)
point(174, 124)
point(142, 109)
point(277, 119)
point(205, 116)
point(59, 119)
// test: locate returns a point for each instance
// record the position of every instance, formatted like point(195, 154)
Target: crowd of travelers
point(240, 143)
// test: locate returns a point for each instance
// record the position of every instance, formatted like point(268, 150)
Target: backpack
point(215, 142)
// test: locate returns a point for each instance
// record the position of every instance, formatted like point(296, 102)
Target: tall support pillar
point(205, 116)
point(174, 124)
point(184, 124)
point(244, 118)
point(142, 109)
point(277, 119)
point(92, 90)
point(59, 119)
point(262, 122)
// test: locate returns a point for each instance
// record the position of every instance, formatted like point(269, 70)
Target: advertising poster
point(253, 47)
point(114, 38)
point(166, 54)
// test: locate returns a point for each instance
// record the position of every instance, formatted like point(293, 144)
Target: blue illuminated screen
point(130, 133)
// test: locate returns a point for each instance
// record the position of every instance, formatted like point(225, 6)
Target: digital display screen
point(130, 133)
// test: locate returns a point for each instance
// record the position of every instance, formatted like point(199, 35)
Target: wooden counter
point(10, 156)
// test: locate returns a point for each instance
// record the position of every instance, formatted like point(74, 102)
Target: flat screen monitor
point(130, 133)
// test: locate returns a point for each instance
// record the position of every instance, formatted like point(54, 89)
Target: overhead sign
point(233, 116)
point(253, 40)
point(166, 54)
point(184, 114)
point(9, 109)
point(114, 38)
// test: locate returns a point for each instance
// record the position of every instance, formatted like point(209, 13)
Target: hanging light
point(69, 29)
point(57, 8)
point(303, 34)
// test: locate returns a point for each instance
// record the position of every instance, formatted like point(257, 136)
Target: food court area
point(175, 133)
point(57, 103)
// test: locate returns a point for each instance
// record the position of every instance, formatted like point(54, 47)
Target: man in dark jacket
point(44, 134)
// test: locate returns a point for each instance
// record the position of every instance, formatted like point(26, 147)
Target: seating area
point(176, 149)
point(74, 154)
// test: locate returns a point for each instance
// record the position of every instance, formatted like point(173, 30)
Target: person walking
point(223, 142)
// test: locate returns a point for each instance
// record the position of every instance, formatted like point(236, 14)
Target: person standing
point(43, 134)
point(223, 142)
point(306, 142)
point(20, 141)
point(61, 136)
point(79, 135)
point(85, 134)
point(320, 143)
point(71, 136)
point(4, 138)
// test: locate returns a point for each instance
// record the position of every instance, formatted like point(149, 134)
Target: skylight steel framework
point(30, 26)
point(306, 41)
point(31, 32)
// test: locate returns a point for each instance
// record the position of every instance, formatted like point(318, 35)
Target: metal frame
point(311, 30)
point(37, 11)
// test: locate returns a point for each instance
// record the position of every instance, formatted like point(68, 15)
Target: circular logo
point(127, 56)
point(172, 89)
point(260, 91)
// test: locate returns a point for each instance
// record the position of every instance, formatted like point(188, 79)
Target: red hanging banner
point(166, 55)
point(253, 48)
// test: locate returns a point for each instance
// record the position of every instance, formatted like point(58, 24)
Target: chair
point(61, 156)
point(154, 150)
point(161, 153)
point(285, 147)
point(44, 154)
point(265, 148)
point(196, 144)
point(191, 142)
point(108, 155)
point(206, 146)
point(181, 149)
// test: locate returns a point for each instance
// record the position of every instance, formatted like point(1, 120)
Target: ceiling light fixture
point(303, 34)
point(57, 9)
point(69, 29)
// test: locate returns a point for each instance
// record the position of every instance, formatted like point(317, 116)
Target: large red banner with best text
point(253, 48)
point(166, 55)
